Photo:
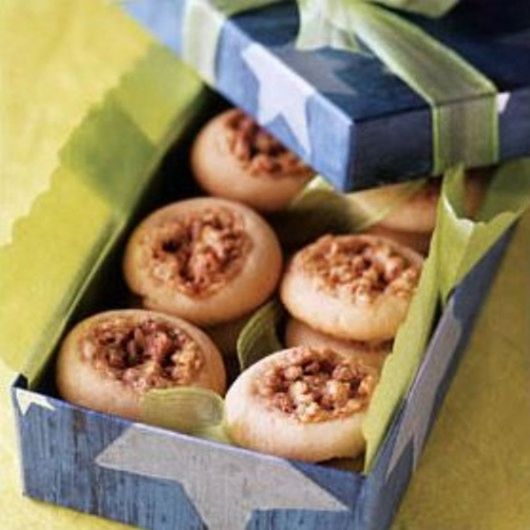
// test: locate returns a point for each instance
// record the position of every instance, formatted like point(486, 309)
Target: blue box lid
point(346, 114)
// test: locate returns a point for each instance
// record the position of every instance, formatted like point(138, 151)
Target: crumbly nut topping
point(199, 253)
point(145, 354)
point(317, 385)
point(260, 152)
point(357, 267)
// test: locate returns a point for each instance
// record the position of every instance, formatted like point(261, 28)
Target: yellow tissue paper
point(58, 59)
point(66, 200)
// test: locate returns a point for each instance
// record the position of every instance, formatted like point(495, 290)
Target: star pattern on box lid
point(280, 93)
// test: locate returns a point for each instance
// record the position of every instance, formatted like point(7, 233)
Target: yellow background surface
point(475, 472)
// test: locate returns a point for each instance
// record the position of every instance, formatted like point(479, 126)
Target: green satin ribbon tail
point(191, 410)
point(463, 101)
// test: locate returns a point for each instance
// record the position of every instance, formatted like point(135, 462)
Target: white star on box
point(27, 399)
point(281, 93)
point(243, 483)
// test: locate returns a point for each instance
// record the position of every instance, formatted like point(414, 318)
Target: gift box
point(158, 479)
point(141, 474)
point(346, 113)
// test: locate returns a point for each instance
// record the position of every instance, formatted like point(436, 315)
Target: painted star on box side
point(243, 483)
point(421, 400)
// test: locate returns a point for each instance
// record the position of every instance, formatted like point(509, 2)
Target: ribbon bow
point(321, 26)
point(463, 101)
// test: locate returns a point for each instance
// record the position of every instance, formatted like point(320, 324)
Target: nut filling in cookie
point(317, 385)
point(199, 253)
point(258, 151)
point(358, 268)
point(146, 354)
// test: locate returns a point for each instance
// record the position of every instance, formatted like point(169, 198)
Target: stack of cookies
point(349, 292)
point(347, 296)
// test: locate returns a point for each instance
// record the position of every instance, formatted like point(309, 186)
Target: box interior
point(172, 181)
point(107, 290)
point(69, 478)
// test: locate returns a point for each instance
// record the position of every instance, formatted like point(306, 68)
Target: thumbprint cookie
point(233, 157)
point(207, 260)
point(353, 287)
point(301, 403)
point(110, 360)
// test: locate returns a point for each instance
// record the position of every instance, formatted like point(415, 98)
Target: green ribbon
point(428, 8)
point(191, 410)
point(463, 100)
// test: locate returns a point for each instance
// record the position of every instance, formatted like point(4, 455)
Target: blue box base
point(158, 479)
